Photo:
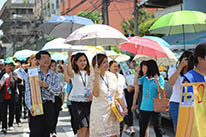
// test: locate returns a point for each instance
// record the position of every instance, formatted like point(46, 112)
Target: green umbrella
point(180, 22)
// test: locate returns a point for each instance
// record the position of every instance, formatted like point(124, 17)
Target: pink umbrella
point(143, 46)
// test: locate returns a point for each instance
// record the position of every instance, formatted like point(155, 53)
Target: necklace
point(197, 70)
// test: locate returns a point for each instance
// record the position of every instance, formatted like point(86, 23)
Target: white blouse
point(79, 90)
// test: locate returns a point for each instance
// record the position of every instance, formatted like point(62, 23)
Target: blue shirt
point(193, 76)
point(68, 90)
point(149, 92)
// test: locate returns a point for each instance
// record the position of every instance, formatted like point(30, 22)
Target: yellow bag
point(116, 110)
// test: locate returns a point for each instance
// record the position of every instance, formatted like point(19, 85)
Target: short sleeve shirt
point(149, 92)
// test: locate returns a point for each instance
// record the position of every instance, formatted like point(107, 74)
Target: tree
point(145, 21)
point(95, 16)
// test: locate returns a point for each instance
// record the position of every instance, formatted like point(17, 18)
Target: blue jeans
point(174, 108)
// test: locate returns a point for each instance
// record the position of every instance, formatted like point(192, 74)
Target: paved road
point(64, 128)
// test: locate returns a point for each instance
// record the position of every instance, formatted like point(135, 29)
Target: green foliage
point(145, 21)
point(116, 49)
point(95, 16)
point(144, 27)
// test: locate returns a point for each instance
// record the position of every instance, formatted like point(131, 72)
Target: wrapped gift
point(35, 91)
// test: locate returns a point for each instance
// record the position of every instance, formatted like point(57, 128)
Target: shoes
point(53, 135)
point(3, 131)
point(126, 131)
point(132, 133)
point(25, 117)
point(10, 128)
point(19, 125)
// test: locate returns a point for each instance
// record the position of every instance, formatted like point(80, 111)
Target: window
point(57, 4)
point(22, 11)
point(52, 5)
point(17, 11)
point(30, 11)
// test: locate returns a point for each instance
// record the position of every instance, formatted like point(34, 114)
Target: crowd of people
point(90, 90)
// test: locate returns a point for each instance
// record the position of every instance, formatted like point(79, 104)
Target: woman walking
point(152, 83)
point(175, 76)
point(104, 87)
point(80, 97)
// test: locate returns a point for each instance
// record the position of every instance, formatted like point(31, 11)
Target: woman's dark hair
point(200, 51)
point(60, 69)
point(61, 61)
point(141, 65)
point(189, 56)
point(152, 68)
point(112, 62)
point(53, 61)
point(74, 65)
point(98, 59)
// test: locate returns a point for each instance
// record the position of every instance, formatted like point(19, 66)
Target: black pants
point(144, 120)
point(129, 117)
point(57, 107)
point(21, 89)
point(41, 126)
point(4, 111)
point(24, 106)
point(121, 127)
point(72, 119)
point(18, 111)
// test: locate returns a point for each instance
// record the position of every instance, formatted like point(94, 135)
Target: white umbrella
point(24, 53)
point(58, 45)
point(96, 35)
point(112, 55)
point(171, 60)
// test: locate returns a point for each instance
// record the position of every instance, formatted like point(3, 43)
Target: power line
point(76, 6)
point(94, 4)
point(118, 11)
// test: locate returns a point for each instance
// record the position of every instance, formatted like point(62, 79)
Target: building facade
point(18, 24)
point(118, 10)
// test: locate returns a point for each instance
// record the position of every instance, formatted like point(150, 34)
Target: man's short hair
point(42, 52)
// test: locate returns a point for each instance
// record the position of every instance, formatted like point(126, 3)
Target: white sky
point(2, 3)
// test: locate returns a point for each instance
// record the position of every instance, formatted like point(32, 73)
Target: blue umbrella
point(161, 41)
point(62, 26)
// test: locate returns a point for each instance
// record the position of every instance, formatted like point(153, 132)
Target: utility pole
point(105, 16)
point(135, 18)
point(42, 21)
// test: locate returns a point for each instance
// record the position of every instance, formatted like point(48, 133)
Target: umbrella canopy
point(59, 56)
point(180, 22)
point(171, 60)
point(58, 45)
point(23, 54)
point(146, 49)
point(96, 35)
point(184, 21)
point(143, 46)
point(112, 55)
point(161, 41)
point(62, 26)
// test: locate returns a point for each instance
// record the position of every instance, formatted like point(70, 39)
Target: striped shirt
point(47, 94)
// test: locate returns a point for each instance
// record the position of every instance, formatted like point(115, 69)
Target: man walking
point(40, 126)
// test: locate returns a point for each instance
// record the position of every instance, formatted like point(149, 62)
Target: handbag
point(161, 105)
point(116, 108)
point(117, 111)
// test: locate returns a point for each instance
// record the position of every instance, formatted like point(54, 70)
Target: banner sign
point(192, 111)
point(128, 73)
